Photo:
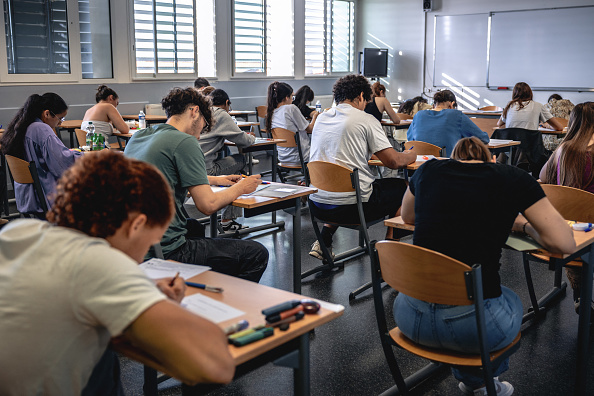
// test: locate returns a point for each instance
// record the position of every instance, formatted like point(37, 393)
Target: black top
point(372, 109)
point(466, 211)
point(305, 110)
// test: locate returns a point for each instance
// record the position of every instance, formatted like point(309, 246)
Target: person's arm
point(555, 124)
point(395, 160)
point(500, 122)
point(314, 116)
point(552, 161)
point(470, 129)
point(387, 107)
point(208, 202)
point(543, 223)
point(186, 346)
point(57, 157)
point(230, 131)
point(116, 119)
point(407, 211)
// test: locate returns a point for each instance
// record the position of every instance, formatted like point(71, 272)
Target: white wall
point(404, 26)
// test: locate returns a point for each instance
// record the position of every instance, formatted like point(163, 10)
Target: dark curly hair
point(104, 92)
point(178, 100)
point(350, 87)
point(100, 190)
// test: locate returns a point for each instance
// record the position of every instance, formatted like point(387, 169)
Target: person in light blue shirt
point(30, 136)
point(443, 126)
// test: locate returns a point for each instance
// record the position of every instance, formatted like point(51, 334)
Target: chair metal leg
point(535, 308)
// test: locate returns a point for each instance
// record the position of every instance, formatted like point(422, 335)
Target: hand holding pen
point(174, 288)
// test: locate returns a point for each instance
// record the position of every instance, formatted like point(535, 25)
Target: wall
point(405, 27)
point(245, 93)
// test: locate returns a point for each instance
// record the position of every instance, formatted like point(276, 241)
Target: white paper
point(425, 157)
point(210, 309)
point(287, 190)
point(157, 268)
point(329, 306)
point(495, 142)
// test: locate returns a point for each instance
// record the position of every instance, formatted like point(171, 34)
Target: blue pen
point(213, 289)
point(411, 147)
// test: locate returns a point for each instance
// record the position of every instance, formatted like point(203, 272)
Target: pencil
point(173, 279)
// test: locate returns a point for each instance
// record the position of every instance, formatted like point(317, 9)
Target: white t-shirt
point(289, 117)
point(102, 127)
point(349, 137)
point(528, 117)
point(63, 295)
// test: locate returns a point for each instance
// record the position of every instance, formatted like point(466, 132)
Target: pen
point(290, 319)
point(411, 147)
point(234, 328)
point(280, 307)
point(213, 289)
point(173, 279)
point(284, 314)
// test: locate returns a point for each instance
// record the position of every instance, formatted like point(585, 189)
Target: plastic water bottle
point(318, 107)
point(141, 120)
point(234, 119)
point(89, 137)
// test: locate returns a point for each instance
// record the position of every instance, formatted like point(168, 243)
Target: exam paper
point(210, 309)
point(499, 141)
point(425, 157)
point(157, 268)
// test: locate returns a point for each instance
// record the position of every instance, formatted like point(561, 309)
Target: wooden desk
point(500, 147)
point(584, 244)
point(414, 166)
point(402, 125)
point(545, 131)
point(70, 126)
point(251, 298)
point(483, 113)
point(150, 119)
point(261, 144)
point(257, 205)
point(247, 125)
point(242, 113)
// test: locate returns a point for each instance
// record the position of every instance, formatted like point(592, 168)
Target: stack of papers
point(425, 157)
point(157, 269)
point(495, 142)
point(210, 309)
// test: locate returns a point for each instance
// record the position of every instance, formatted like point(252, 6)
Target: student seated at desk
point(174, 149)
point(414, 105)
point(378, 104)
point(348, 136)
point(560, 108)
point(443, 126)
point(282, 113)
point(68, 286)
point(465, 208)
point(303, 98)
point(105, 115)
point(523, 112)
point(572, 165)
point(213, 141)
point(31, 136)
point(200, 83)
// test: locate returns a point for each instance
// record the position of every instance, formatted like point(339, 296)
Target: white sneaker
point(502, 388)
point(255, 161)
point(316, 251)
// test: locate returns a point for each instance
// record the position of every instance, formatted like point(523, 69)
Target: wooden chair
point(336, 178)
point(24, 172)
point(292, 140)
point(572, 204)
point(562, 121)
point(436, 278)
point(491, 108)
point(485, 124)
point(423, 148)
point(261, 117)
point(530, 155)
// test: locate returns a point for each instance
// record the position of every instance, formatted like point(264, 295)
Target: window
point(329, 36)
point(40, 34)
point(164, 37)
point(263, 37)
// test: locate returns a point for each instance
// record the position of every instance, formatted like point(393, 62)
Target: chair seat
point(546, 256)
point(289, 165)
point(445, 356)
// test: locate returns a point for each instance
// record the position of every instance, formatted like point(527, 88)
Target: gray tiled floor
point(346, 356)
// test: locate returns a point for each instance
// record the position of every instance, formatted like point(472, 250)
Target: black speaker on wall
point(427, 5)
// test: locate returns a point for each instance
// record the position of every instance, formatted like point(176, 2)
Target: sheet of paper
point(157, 268)
point(425, 157)
point(259, 188)
point(522, 243)
point(499, 141)
point(210, 309)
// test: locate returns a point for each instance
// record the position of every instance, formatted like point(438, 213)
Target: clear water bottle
point(89, 137)
point(141, 120)
point(318, 107)
point(234, 119)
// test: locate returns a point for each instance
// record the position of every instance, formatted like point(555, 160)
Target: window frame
point(135, 76)
point(75, 59)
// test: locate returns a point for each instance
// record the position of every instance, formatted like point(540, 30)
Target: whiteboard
point(460, 50)
point(549, 48)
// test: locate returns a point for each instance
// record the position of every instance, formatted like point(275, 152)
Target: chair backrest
point(491, 108)
point(261, 111)
point(26, 173)
point(531, 145)
point(562, 121)
point(281, 133)
point(81, 136)
point(485, 124)
point(424, 148)
point(402, 116)
point(571, 203)
point(424, 274)
point(154, 109)
point(330, 177)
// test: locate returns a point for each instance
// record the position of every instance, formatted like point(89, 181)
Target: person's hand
point(229, 180)
point(250, 183)
point(519, 222)
point(411, 155)
point(174, 292)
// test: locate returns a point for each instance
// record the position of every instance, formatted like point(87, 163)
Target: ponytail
point(277, 92)
point(104, 92)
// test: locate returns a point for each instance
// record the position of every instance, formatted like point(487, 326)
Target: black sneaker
point(230, 226)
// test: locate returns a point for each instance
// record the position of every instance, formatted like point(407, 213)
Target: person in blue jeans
point(443, 125)
point(477, 202)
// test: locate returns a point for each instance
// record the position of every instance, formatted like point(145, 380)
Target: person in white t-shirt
point(69, 286)
point(282, 113)
point(348, 136)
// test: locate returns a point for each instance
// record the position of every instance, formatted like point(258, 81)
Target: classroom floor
point(346, 355)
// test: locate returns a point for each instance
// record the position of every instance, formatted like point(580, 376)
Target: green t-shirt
point(179, 157)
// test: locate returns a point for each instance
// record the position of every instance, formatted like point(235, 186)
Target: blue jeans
point(454, 327)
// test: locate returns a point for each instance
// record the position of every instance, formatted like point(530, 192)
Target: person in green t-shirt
point(173, 148)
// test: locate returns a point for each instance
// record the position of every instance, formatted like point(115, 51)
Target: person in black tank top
point(378, 104)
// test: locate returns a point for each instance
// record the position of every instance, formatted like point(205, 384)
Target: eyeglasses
point(206, 124)
point(61, 119)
